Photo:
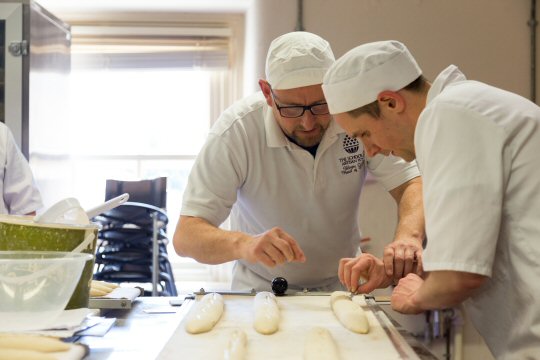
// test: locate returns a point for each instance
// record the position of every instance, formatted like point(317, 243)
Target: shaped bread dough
point(349, 313)
point(32, 343)
point(319, 345)
point(205, 314)
point(19, 354)
point(266, 320)
point(236, 346)
point(336, 295)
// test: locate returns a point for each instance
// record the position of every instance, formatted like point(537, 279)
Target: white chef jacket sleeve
point(20, 195)
point(461, 158)
point(392, 171)
point(212, 186)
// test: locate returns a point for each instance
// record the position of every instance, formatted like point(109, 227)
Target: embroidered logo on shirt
point(352, 163)
point(350, 144)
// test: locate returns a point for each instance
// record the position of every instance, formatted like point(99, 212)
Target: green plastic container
point(21, 233)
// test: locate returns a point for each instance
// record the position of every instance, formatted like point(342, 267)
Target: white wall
point(488, 39)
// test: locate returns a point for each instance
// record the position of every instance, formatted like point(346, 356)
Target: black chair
point(151, 191)
point(132, 242)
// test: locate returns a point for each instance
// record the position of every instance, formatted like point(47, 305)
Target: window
point(142, 100)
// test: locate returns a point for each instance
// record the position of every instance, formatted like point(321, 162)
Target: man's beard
point(307, 141)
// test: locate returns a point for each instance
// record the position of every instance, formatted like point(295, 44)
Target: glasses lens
point(320, 109)
point(292, 111)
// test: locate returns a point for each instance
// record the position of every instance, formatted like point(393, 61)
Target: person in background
point(20, 196)
point(477, 148)
point(290, 179)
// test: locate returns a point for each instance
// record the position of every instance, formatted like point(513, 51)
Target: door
point(11, 27)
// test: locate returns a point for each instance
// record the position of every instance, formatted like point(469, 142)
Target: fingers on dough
point(267, 313)
point(350, 314)
point(320, 345)
point(205, 314)
point(236, 348)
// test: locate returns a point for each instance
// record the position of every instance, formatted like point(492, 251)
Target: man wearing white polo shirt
point(290, 179)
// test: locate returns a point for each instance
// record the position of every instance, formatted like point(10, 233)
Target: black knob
point(279, 286)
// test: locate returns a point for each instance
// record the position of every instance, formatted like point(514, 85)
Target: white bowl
point(35, 287)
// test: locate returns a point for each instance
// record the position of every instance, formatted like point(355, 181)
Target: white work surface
point(298, 315)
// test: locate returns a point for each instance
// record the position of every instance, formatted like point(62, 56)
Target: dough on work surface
point(349, 313)
point(236, 348)
point(32, 342)
point(101, 288)
point(320, 345)
point(336, 295)
point(267, 314)
point(19, 354)
point(205, 314)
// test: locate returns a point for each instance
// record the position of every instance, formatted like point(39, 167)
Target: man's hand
point(367, 267)
point(273, 247)
point(402, 257)
point(403, 295)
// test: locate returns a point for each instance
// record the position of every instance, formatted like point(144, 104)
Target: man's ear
point(391, 101)
point(267, 91)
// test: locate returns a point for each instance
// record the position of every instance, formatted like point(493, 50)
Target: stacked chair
point(132, 242)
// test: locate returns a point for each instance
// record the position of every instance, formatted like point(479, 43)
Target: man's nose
point(308, 121)
point(371, 149)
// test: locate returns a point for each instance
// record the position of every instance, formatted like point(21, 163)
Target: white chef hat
point(359, 76)
point(298, 59)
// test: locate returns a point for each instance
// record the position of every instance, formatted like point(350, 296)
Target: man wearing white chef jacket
point(290, 180)
point(20, 196)
point(477, 148)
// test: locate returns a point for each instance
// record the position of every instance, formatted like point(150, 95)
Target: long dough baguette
point(205, 314)
point(236, 346)
point(267, 315)
point(32, 343)
point(319, 345)
point(350, 314)
point(18, 354)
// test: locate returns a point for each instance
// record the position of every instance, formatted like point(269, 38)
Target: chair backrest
point(150, 191)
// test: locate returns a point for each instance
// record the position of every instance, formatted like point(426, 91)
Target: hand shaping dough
point(349, 313)
point(320, 345)
point(266, 313)
point(205, 314)
point(236, 346)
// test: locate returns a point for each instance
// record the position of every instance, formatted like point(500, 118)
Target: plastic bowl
point(21, 233)
point(35, 287)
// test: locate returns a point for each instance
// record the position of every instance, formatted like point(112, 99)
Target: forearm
point(196, 238)
point(444, 289)
point(411, 223)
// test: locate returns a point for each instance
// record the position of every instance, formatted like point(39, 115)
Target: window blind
point(139, 47)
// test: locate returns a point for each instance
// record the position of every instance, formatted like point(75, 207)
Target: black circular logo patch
point(350, 145)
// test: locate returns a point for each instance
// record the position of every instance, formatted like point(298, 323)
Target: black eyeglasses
point(295, 111)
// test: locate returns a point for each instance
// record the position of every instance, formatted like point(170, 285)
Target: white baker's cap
point(297, 59)
point(359, 76)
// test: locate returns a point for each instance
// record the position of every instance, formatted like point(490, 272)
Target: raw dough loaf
point(205, 314)
point(349, 313)
point(101, 288)
point(236, 346)
point(19, 354)
point(32, 343)
point(320, 345)
point(267, 315)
